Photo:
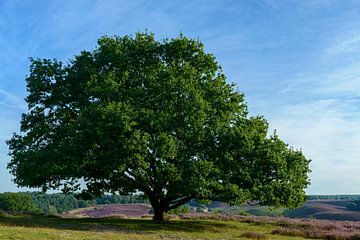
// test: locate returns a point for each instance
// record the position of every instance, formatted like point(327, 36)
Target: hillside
point(325, 209)
point(317, 209)
point(111, 210)
point(304, 227)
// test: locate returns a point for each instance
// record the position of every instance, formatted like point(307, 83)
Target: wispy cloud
point(11, 100)
point(319, 112)
point(348, 44)
point(326, 134)
point(341, 81)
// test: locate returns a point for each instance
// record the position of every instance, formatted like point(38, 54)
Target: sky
point(297, 62)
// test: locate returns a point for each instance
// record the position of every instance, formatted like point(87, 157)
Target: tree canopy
point(17, 202)
point(158, 117)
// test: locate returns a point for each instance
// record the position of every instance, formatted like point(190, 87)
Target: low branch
point(179, 199)
point(178, 202)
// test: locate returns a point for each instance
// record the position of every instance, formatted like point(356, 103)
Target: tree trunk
point(158, 214)
point(160, 206)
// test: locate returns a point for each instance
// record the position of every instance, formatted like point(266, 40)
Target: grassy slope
point(38, 227)
point(330, 209)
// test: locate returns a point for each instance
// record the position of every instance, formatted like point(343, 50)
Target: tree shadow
point(112, 224)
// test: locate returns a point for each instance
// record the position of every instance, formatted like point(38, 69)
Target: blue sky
point(297, 62)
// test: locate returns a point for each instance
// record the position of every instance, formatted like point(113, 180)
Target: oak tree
point(157, 117)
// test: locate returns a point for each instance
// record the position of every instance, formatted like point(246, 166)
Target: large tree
point(157, 117)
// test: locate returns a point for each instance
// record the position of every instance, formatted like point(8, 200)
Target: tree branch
point(178, 202)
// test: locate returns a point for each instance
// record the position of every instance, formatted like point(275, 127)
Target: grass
point(41, 227)
point(308, 228)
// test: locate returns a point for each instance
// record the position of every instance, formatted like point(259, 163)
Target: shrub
point(51, 210)
point(216, 210)
point(254, 235)
point(17, 202)
point(244, 213)
point(180, 210)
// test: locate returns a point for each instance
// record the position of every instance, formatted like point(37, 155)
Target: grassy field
point(40, 227)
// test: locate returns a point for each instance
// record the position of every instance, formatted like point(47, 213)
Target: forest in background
point(55, 203)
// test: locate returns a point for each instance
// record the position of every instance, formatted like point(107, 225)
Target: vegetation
point(137, 114)
point(191, 226)
point(334, 197)
point(306, 228)
point(50, 204)
point(17, 202)
point(40, 227)
point(353, 205)
point(55, 203)
point(180, 210)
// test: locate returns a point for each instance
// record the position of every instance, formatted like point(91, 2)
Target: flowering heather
point(309, 228)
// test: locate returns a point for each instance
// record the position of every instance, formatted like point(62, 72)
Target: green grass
point(256, 210)
point(40, 227)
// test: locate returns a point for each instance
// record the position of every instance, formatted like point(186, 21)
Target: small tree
point(136, 115)
point(51, 210)
point(17, 202)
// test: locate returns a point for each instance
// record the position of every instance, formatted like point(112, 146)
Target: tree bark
point(162, 205)
point(158, 214)
point(159, 206)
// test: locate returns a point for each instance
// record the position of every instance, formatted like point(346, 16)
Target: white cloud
point(327, 134)
point(345, 45)
point(341, 80)
point(11, 100)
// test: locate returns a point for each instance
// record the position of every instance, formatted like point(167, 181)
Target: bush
point(83, 203)
point(51, 210)
point(265, 211)
point(17, 202)
point(216, 210)
point(254, 235)
point(244, 213)
point(180, 210)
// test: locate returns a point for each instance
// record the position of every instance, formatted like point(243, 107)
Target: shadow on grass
point(111, 224)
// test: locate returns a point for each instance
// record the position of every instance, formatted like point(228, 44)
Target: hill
point(111, 210)
point(317, 209)
point(325, 209)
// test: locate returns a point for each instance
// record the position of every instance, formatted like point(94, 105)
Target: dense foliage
point(50, 204)
point(136, 115)
point(17, 202)
point(57, 202)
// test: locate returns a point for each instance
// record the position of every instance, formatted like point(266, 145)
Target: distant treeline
point(352, 204)
point(35, 202)
point(334, 197)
